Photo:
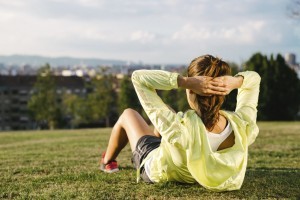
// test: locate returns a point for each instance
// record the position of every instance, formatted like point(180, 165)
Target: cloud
point(239, 34)
point(145, 30)
point(91, 3)
point(142, 36)
point(13, 3)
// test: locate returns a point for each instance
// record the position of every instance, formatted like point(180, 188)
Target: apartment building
point(15, 92)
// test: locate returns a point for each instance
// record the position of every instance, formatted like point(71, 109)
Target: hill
point(37, 61)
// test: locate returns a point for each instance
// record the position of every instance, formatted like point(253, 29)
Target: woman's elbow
point(136, 73)
point(256, 77)
point(135, 76)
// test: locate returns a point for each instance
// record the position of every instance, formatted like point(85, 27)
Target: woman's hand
point(203, 85)
point(207, 86)
point(230, 82)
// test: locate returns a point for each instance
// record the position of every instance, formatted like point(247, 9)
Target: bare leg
point(129, 127)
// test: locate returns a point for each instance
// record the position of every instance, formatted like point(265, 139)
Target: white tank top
point(216, 139)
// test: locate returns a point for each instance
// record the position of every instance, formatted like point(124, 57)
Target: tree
point(43, 103)
point(74, 109)
point(285, 91)
point(97, 107)
point(171, 98)
point(260, 64)
point(182, 103)
point(127, 97)
point(101, 101)
point(230, 100)
point(279, 92)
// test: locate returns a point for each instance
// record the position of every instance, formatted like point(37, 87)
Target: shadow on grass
point(271, 183)
point(259, 183)
point(126, 168)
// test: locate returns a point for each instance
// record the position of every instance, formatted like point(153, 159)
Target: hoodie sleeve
point(247, 100)
point(165, 120)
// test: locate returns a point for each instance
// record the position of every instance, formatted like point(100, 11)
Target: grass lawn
point(63, 164)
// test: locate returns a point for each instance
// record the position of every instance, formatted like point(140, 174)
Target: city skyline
point(154, 32)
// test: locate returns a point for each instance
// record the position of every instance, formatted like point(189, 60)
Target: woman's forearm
point(182, 82)
point(240, 81)
point(237, 82)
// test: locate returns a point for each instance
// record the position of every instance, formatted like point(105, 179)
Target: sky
point(148, 31)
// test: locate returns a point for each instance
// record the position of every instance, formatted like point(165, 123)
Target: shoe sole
point(108, 171)
point(111, 171)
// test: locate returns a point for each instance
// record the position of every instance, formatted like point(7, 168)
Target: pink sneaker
point(110, 167)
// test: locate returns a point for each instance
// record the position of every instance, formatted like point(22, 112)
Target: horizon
point(87, 58)
point(128, 62)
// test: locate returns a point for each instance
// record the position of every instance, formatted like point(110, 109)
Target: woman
point(204, 144)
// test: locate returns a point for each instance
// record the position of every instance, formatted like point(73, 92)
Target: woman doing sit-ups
point(204, 144)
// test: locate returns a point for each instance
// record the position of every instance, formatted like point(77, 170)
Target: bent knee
point(128, 112)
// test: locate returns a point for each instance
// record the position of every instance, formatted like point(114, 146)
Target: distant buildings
point(83, 70)
point(16, 88)
point(15, 92)
point(290, 59)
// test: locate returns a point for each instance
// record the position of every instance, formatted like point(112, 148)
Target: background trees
point(43, 103)
point(279, 92)
point(101, 100)
point(97, 107)
point(106, 96)
point(230, 100)
point(127, 97)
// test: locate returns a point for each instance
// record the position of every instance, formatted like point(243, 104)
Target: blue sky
point(150, 31)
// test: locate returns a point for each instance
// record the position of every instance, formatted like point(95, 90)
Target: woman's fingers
point(216, 92)
point(219, 81)
point(218, 87)
point(212, 90)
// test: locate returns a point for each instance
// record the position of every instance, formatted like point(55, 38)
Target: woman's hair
point(207, 107)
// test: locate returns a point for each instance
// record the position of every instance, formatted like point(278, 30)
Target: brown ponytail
point(208, 106)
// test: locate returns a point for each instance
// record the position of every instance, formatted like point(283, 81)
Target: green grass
point(63, 164)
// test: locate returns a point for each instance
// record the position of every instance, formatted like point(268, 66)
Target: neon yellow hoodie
point(185, 154)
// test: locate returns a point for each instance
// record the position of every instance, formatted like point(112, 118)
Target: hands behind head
point(207, 86)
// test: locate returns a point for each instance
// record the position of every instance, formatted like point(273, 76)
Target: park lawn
point(63, 164)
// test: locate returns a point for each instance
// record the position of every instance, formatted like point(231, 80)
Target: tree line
point(106, 97)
